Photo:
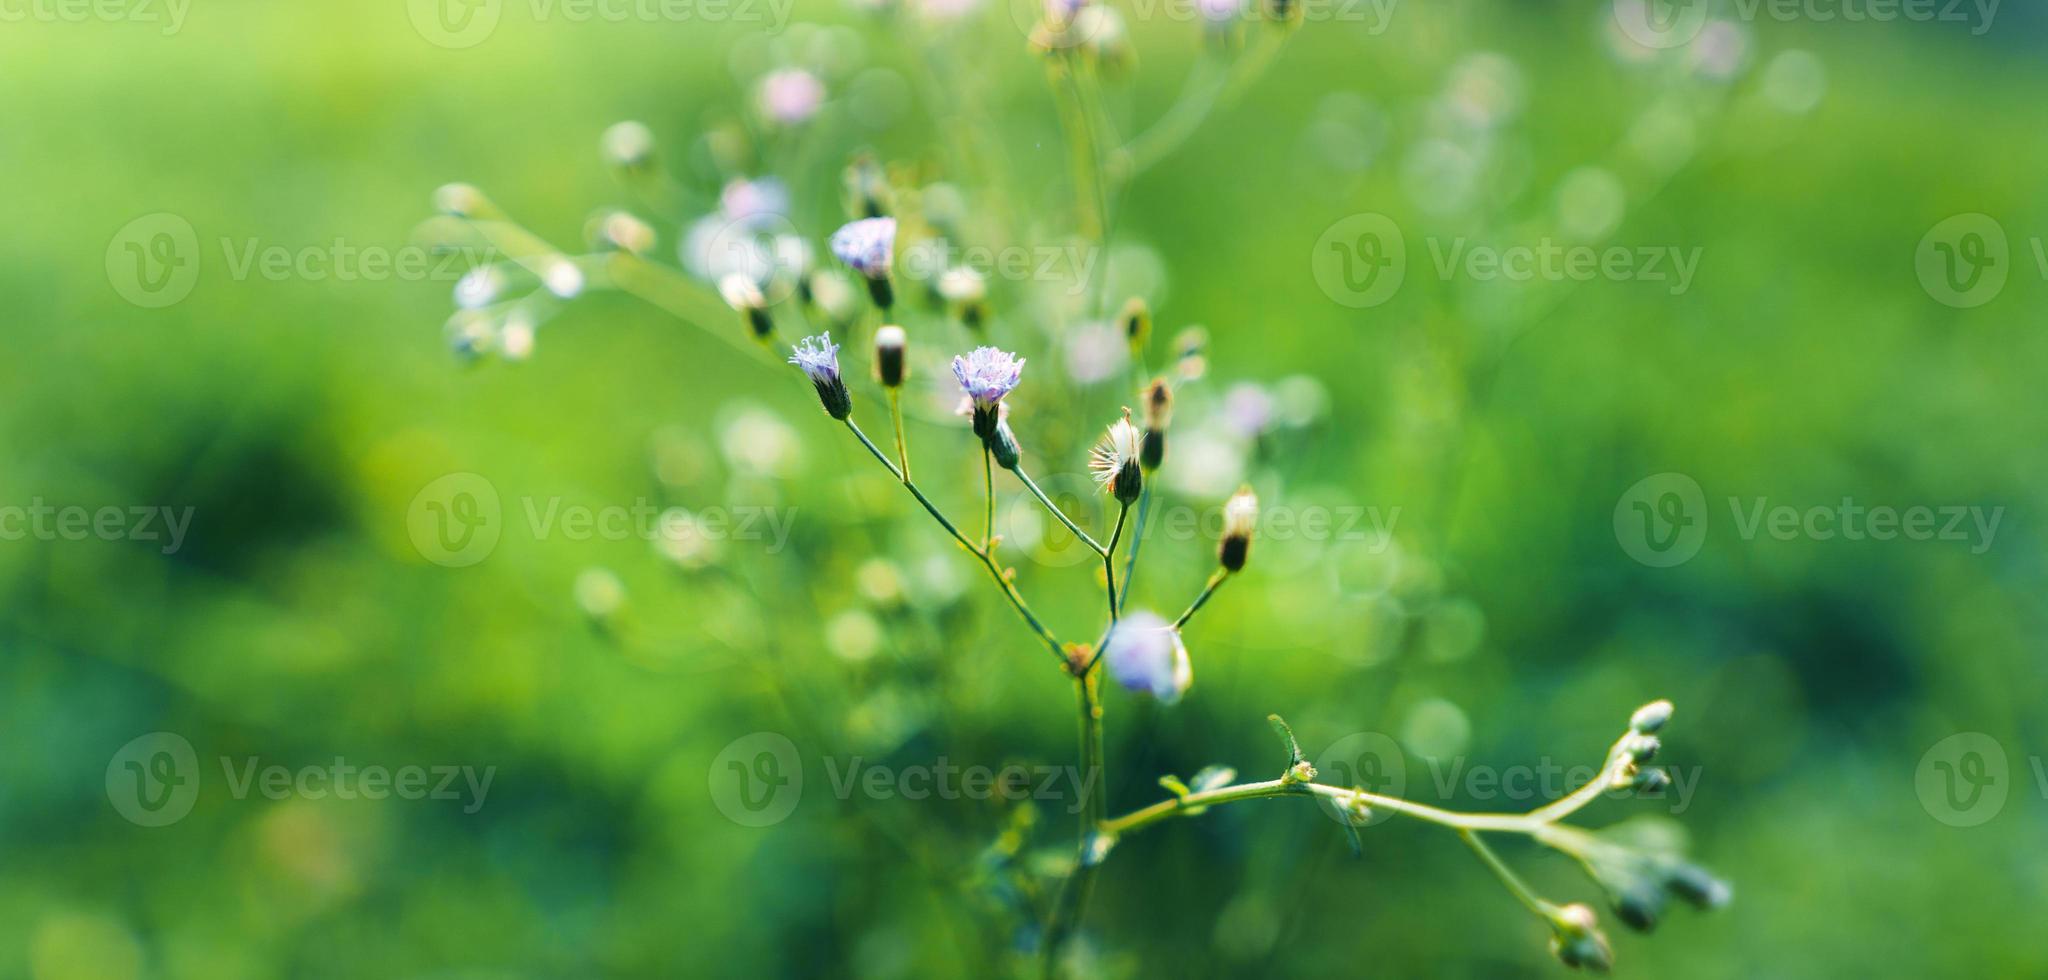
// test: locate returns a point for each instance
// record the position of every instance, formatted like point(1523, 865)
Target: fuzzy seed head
point(1114, 461)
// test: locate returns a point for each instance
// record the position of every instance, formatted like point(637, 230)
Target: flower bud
point(1695, 885)
point(867, 189)
point(621, 231)
point(1651, 717)
point(628, 145)
point(1136, 321)
point(1158, 415)
point(1640, 748)
point(744, 296)
point(1240, 522)
point(463, 201)
point(1576, 939)
point(889, 350)
point(1002, 446)
point(966, 295)
point(1639, 905)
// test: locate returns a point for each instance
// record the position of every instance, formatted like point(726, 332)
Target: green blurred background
point(1503, 623)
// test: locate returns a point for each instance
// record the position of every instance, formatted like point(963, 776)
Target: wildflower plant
point(749, 254)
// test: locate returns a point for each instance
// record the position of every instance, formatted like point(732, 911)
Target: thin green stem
point(1109, 561)
point(1521, 891)
point(1086, 162)
point(1025, 478)
point(988, 486)
point(988, 561)
point(1206, 90)
point(902, 444)
point(1509, 823)
point(1137, 541)
point(1074, 892)
point(1215, 581)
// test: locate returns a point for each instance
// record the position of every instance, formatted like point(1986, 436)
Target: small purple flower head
point(1145, 654)
point(867, 245)
point(987, 374)
point(819, 358)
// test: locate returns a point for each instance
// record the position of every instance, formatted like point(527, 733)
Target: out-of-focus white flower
point(515, 341)
point(752, 200)
point(562, 277)
point(479, 287)
point(628, 144)
point(946, 11)
point(1146, 654)
point(678, 538)
point(791, 96)
point(1248, 409)
point(1096, 352)
point(600, 593)
point(758, 442)
point(1720, 51)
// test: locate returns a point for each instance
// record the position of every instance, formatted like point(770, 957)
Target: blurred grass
point(299, 419)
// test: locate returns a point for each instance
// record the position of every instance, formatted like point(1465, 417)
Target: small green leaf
point(1213, 777)
point(1175, 786)
point(1286, 735)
